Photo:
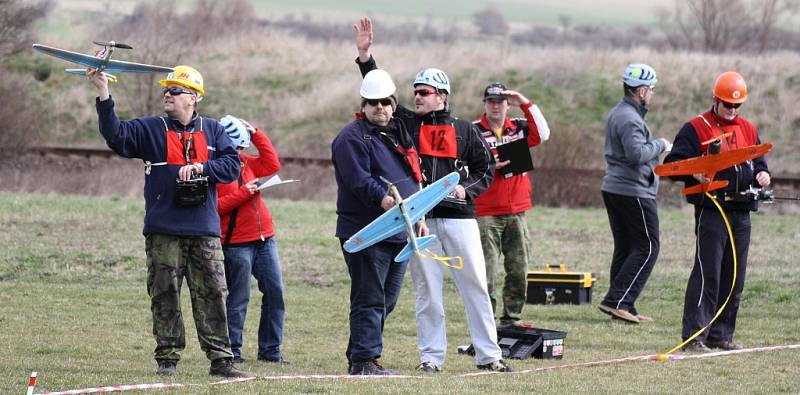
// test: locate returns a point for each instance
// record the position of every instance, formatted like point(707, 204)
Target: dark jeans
point(260, 259)
point(634, 225)
point(376, 280)
point(712, 275)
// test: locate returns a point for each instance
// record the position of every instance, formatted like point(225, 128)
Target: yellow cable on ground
point(665, 356)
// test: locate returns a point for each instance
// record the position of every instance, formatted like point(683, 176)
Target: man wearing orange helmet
point(719, 129)
point(185, 156)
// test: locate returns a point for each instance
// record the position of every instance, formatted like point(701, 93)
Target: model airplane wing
point(110, 65)
point(391, 222)
point(117, 66)
point(712, 163)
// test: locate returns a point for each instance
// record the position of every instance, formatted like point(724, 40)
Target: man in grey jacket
point(629, 193)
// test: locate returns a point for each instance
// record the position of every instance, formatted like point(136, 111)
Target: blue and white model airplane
point(404, 215)
point(101, 61)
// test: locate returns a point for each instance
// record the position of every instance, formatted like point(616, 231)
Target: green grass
point(75, 308)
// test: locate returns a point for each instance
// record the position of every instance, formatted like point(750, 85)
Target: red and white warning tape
point(652, 357)
point(130, 387)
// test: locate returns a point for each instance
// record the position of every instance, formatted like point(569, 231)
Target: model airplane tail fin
point(406, 252)
point(700, 188)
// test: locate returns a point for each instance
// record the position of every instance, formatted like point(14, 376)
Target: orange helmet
point(730, 87)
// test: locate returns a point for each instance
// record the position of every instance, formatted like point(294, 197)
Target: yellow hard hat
point(185, 76)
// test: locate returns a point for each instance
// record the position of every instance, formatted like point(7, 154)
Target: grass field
point(74, 308)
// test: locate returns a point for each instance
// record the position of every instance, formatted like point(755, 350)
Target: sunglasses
point(384, 102)
point(730, 106)
point(175, 91)
point(424, 92)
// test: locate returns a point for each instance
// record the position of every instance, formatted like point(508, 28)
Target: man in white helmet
point(629, 193)
point(373, 147)
point(446, 144)
point(185, 156)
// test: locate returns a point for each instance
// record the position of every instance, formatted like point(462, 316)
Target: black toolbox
point(524, 341)
point(555, 285)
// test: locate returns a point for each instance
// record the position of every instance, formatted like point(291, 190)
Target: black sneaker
point(167, 367)
point(429, 367)
point(724, 345)
point(695, 346)
point(497, 366)
point(279, 360)
point(224, 367)
point(370, 368)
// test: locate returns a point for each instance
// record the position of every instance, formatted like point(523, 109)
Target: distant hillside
point(302, 92)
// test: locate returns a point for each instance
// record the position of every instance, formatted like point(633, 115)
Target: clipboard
point(518, 153)
point(272, 181)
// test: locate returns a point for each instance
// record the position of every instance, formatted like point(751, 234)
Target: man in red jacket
point(501, 210)
point(249, 244)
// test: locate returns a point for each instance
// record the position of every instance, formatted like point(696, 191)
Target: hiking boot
point(224, 367)
point(621, 314)
point(429, 367)
point(369, 368)
point(167, 367)
point(695, 346)
point(497, 366)
point(724, 345)
point(239, 360)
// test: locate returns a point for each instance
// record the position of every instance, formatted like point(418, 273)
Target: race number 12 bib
point(438, 140)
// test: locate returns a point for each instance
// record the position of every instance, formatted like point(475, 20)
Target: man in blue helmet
point(629, 193)
point(446, 144)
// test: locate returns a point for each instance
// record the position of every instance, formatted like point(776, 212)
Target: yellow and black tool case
point(555, 285)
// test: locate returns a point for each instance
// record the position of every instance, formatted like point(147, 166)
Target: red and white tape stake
point(31, 383)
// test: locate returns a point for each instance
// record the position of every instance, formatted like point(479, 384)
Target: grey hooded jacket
point(631, 152)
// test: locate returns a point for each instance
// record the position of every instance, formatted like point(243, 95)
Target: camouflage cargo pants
point(200, 260)
point(506, 235)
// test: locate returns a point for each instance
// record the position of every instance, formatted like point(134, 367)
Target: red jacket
point(253, 221)
point(508, 195)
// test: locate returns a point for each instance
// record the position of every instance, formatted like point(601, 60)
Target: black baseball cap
point(494, 91)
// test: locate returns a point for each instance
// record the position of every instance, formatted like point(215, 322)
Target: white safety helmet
point(236, 131)
point(639, 74)
point(435, 78)
point(377, 84)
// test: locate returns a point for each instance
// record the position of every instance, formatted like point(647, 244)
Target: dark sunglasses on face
point(730, 106)
point(384, 102)
point(175, 91)
point(423, 92)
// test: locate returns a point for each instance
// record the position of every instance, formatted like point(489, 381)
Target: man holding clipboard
point(502, 208)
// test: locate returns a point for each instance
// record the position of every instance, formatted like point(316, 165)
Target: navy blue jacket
point(146, 139)
point(360, 157)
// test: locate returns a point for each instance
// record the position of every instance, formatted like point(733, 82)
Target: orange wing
point(712, 163)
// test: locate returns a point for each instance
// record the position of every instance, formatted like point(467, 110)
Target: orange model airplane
point(709, 165)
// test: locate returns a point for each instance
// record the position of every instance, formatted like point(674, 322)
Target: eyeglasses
point(730, 106)
point(173, 91)
point(424, 92)
point(386, 102)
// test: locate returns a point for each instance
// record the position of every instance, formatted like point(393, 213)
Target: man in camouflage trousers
point(501, 209)
point(185, 156)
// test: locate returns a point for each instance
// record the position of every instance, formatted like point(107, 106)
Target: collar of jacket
point(437, 116)
point(642, 110)
point(720, 120)
point(507, 124)
point(177, 126)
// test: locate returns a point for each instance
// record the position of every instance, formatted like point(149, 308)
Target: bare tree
point(490, 22)
point(163, 36)
point(723, 25)
point(17, 107)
